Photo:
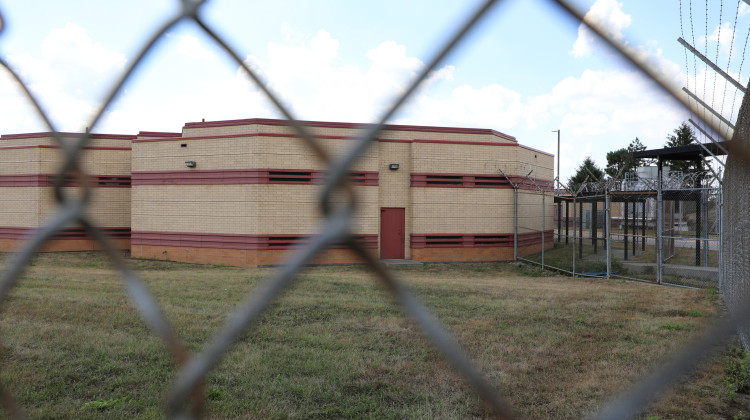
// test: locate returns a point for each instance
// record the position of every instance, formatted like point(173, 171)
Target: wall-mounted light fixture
point(190, 164)
point(393, 166)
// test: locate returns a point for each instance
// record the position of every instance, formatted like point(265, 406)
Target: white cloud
point(723, 34)
point(70, 72)
point(192, 47)
point(325, 88)
point(744, 9)
point(492, 105)
point(596, 110)
point(308, 76)
point(605, 14)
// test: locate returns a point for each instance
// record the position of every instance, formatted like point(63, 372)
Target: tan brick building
point(244, 192)
point(254, 193)
point(28, 164)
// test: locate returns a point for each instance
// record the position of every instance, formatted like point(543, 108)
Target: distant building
point(244, 192)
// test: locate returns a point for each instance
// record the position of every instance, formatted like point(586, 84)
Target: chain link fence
point(690, 237)
point(185, 397)
point(616, 234)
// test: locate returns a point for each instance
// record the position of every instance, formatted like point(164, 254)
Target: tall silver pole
point(558, 156)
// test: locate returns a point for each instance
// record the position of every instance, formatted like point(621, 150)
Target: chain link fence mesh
point(186, 395)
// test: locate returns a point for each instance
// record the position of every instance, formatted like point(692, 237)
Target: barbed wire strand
point(705, 65)
point(739, 74)
point(687, 66)
point(729, 60)
point(718, 42)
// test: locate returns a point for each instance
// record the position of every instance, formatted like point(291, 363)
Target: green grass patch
point(337, 345)
point(674, 326)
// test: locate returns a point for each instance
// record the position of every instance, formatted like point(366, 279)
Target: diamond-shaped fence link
point(186, 394)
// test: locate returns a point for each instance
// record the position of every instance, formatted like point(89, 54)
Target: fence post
point(515, 223)
point(607, 226)
point(559, 221)
point(706, 242)
point(575, 215)
point(544, 226)
point(625, 233)
point(580, 231)
point(567, 220)
point(643, 225)
point(659, 222)
point(720, 227)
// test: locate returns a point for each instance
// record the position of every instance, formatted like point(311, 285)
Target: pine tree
point(682, 136)
point(576, 180)
point(623, 158)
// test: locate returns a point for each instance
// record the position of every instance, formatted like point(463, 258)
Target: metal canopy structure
point(606, 192)
point(689, 152)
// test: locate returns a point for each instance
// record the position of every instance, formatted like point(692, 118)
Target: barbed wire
point(729, 57)
point(739, 73)
point(718, 42)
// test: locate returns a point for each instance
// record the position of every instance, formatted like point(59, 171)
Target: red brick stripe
point(441, 180)
point(50, 146)
point(246, 176)
point(234, 241)
point(326, 137)
point(67, 135)
point(48, 180)
point(329, 124)
point(8, 232)
point(477, 240)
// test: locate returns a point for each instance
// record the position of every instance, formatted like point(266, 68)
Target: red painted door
point(392, 235)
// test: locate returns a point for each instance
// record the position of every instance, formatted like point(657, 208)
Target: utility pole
point(558, 155)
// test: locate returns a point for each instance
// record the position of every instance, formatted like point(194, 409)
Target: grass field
point(335, 346)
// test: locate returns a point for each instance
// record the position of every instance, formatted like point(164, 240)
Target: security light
point(393, 166)
point(190, 164)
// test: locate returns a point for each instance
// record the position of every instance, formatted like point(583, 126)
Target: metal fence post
point(607, 235)
point(659, 222)
point(706, 242)
point(720, 227)
point(544, 225)
point(515, 223)
point(575, 214)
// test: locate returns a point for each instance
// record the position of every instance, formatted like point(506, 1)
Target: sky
point(525, 69)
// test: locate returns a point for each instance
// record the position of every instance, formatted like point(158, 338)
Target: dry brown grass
point(336, 346)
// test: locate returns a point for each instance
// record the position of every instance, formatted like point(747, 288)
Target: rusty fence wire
point(186, 394)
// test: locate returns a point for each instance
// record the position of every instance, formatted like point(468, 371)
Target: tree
point(623, 158)
point(682, 136)
point(582, 172)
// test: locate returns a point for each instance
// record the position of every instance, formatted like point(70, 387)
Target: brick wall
point(28, 168)
point(254, 206)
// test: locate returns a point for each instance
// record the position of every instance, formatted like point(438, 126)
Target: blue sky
point(525, 70)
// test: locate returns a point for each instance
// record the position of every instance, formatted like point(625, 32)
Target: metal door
point(392, 235)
